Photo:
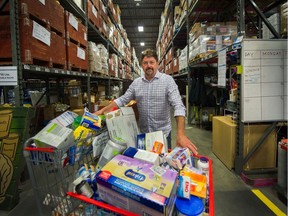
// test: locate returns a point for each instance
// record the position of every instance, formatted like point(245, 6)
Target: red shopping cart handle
point(102, 205)
point(49, 150)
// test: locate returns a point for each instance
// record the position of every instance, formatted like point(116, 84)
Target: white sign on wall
point(264, 83)
point(8, 76)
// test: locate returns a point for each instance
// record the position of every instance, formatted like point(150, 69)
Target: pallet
point(100, 74)
point(259, 180)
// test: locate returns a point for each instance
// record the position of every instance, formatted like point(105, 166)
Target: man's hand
point(98, 112)
point(184, 142)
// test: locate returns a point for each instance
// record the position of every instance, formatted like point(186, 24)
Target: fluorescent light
point(137, 0)
point(142, 44)
point(140, 28)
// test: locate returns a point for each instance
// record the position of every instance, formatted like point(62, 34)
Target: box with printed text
point(137, 186)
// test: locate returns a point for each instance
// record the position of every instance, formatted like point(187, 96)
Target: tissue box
point(137, 186)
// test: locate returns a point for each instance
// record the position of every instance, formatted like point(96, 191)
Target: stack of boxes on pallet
point(107, 20)
point(50, 36)
point(278, 22)
point(76, 35)
point(41, 33)
point(205, 38)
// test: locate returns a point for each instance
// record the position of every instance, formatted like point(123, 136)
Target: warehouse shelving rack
point(25, 71)
point(181, 39)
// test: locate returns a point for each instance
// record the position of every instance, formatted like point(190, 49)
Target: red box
point(33, 51)
point(103, 12)
point(5, 40)
point(105, 29)
point(58, 51)
point(96, 3)
point(57, 19)
point(74, 60)
point(34, 9)
point(175, 65)
point(93, 14)
point(77, 35)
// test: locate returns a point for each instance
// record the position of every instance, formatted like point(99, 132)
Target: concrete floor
point(233, 197)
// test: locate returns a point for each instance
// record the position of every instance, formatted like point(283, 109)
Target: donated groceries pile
point(132, 171)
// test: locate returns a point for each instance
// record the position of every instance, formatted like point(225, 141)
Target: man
point(154, 94)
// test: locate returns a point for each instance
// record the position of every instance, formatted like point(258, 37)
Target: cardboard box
point(153, 141)
point(122, 123)
point(76, 102)
point(224, 144)
point(224, 140)
point(54, 135)
point(133, 185)
point(252, 133)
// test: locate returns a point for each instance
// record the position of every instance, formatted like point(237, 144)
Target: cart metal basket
point(52, 175)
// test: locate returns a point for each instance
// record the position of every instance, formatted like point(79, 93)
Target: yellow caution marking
point(268, 203)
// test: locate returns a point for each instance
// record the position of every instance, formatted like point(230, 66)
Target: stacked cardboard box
point(77, 44)
point(41, 34)
point(205, 38)
point(113, 65)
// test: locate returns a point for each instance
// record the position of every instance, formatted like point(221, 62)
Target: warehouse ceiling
point(147, 13)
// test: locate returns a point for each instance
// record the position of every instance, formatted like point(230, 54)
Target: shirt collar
point(157, 76)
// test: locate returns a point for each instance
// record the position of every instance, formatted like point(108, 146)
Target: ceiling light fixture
point(142, 44)
point(137, 4)
point(137, 0)
point(140, 28)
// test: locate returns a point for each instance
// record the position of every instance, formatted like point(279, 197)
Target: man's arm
point(181, 139)
point(106, 109)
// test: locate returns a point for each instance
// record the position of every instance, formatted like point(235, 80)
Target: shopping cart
point(99, 208)
point(52, 177)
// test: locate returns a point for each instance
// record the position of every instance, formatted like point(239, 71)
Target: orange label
point(157, 147)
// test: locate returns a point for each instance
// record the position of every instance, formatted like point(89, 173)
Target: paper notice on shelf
point(80, 53)
point(73, 21)
point(8, 76)
point(40, 33)
point(222, 68)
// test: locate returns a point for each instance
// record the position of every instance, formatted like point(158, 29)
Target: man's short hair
point(149, 53)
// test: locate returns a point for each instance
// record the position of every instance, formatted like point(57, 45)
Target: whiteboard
point(264, 80)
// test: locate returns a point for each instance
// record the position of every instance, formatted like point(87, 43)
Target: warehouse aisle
point(232, 196)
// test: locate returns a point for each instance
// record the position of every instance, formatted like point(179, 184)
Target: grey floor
point(233, 197)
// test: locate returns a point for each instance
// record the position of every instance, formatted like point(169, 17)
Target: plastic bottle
point(203, 165)
point(113, 147)
point(82, 187)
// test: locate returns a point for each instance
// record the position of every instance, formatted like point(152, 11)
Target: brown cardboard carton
point(224, 144)
point(224, 140)
point(265, 156)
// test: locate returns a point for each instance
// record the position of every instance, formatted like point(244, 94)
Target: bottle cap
point(192, 207)
point(204, 159)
